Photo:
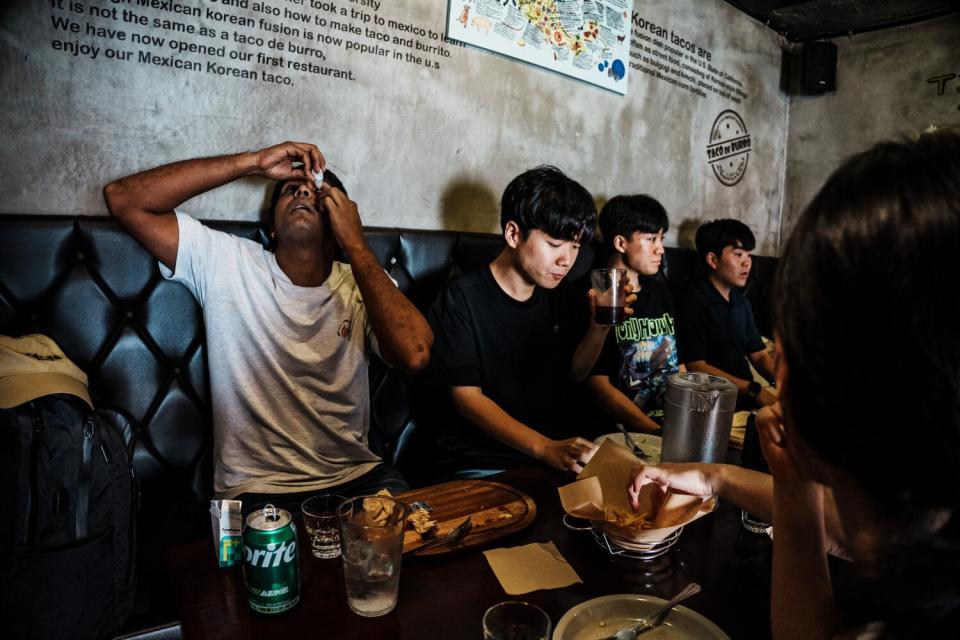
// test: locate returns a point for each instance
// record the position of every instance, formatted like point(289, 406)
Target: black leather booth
point(88, 285)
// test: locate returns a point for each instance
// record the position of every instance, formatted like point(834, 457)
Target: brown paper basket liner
point(601, 487)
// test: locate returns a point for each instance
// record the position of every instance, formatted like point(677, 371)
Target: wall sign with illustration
point(424, 130)
point(586, 40)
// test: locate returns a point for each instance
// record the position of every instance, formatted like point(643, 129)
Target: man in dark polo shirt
point(716, 332)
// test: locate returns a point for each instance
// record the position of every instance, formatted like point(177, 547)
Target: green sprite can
point(270, 563)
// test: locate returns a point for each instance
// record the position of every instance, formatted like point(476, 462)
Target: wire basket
point(616, 548)
point(619, 548)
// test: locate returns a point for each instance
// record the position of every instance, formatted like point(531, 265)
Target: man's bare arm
point(587, 351)
point(591, 344)
point(403, 333)
point(765, 397)
point(489, 417)
point(747, 489)
point(144, 202)
point(763, 362)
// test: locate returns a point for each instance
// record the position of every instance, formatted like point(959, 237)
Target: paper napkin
point(530, 568)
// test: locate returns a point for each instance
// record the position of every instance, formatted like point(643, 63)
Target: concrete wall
point(425, 135)
point(884, 90)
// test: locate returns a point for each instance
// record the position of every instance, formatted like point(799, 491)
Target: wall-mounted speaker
point(818, 72)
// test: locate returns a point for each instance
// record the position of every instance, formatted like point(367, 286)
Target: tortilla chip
point(628, 519)
point(378, 511)
point(421, 523)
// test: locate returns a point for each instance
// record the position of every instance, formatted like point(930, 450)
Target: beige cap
point(32, 366)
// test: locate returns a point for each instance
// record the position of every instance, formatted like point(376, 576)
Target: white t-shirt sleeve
point(198, 251)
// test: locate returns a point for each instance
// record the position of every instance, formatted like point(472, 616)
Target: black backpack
point(67, 495)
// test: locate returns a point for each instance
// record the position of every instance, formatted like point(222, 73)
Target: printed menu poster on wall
point(584, 39)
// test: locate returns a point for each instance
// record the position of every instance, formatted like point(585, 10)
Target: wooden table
point(445, 596)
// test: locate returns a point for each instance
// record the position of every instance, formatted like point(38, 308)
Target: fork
point(656, 618)
point(630, 443)
point(452, 537)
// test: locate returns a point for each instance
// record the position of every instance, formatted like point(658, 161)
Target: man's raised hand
point(344, 218)
point(276, 162)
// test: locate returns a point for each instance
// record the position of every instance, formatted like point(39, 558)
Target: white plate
point(649, 443)
point(583, 622)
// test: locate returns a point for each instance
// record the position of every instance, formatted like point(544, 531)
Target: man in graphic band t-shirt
point(629, 380)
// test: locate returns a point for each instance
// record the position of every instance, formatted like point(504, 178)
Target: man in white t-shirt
point(288, 332)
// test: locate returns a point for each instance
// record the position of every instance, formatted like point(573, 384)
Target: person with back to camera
point(865, 452)
point(508, 340)
point(715, 325)
point(629, 380)
point(289, 331)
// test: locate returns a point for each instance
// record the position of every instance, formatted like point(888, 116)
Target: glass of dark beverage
point(609, 286)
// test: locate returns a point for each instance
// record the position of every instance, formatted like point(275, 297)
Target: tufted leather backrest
point(87, 284)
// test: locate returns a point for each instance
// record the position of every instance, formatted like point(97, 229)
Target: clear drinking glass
point(320, 520)
point(515, 620)
point(609, 286)
point(372, 546)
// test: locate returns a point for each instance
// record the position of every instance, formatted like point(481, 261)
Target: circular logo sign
point(729, 148)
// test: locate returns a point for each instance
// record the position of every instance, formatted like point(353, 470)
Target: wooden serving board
point(495, 510)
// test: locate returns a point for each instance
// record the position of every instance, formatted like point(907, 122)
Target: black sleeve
point(692, 327)
point(754, 341)
point(454, 361)
point(571, 314)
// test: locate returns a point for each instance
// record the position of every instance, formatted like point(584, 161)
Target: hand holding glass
point(610, 295)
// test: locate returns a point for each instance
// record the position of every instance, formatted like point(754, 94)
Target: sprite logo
point(272, 556)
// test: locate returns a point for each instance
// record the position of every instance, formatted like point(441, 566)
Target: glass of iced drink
point(609, 286)
point(371, 541)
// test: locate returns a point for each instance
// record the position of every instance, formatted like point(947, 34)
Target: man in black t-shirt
point(715, 323)
point(505, 338)
point(629, 380)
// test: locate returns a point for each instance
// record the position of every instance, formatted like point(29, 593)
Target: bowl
point(650, 444)
point(604, 616)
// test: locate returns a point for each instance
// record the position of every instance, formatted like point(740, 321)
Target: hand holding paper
point(600, 495)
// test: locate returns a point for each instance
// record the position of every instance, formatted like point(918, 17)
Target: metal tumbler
point(697, 417)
